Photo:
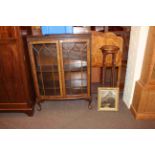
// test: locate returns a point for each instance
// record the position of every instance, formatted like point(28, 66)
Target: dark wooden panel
point(10, 74)
point(15, 86)
point(8, 32)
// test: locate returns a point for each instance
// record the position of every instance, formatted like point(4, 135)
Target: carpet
point(74, 114)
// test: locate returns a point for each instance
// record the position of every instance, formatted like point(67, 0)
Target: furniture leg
point(101, 75)
point(119, 76)
point(89, 104)
point(111, 78)
point(30, 113)
point(103, 70)
point(113, 70)
point(38, 104)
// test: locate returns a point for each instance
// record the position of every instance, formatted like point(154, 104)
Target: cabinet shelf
point(75, 83)
point(47, 68)
point(67, 67)
point(50, 88)
point(76, 91)
point(76, 65)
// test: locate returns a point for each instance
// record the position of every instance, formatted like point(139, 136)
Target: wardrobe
point(16, 85)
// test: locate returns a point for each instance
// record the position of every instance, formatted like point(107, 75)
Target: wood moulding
point(142, 115)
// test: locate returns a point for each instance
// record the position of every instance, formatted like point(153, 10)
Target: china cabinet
point(61, 66)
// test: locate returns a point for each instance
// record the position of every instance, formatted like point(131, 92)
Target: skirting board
point(142, 116)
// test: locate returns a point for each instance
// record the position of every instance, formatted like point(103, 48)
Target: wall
point(138, 39)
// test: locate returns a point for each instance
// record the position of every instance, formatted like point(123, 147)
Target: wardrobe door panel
point(11, 80)
point(16, 92)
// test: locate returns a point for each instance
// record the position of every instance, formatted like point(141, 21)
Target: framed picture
point(108, 99)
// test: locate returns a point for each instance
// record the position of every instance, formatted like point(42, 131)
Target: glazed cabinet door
point(46, 69)
point(76, 67)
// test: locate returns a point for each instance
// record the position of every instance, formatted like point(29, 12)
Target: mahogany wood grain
point(15, 89)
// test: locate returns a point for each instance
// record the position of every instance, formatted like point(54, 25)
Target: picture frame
point(108, 99)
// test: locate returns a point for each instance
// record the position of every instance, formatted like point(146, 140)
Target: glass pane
point(46, 53)
point(75, 67)
point(47, 68)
